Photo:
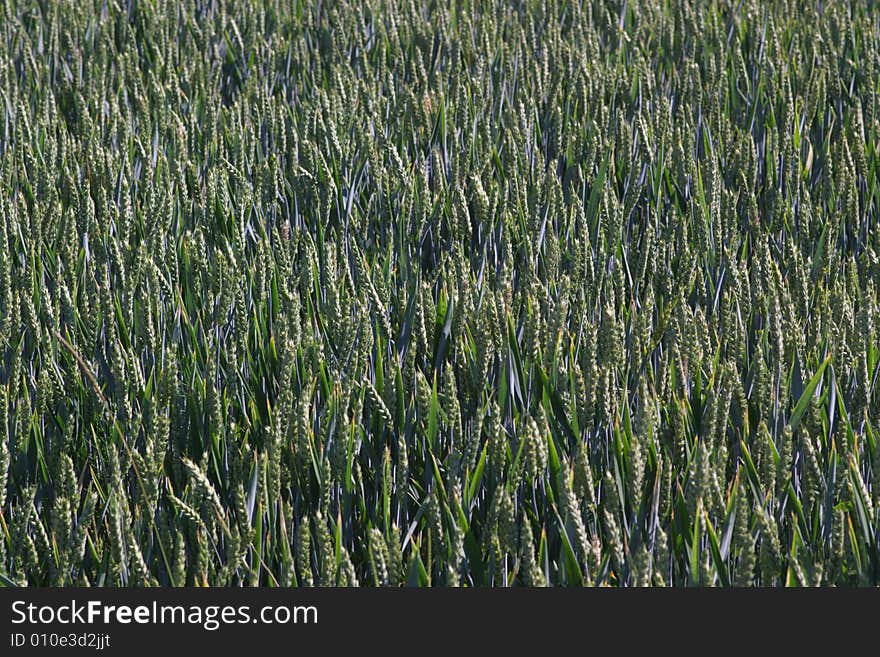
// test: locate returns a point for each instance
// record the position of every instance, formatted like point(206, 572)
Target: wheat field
point(445, 293)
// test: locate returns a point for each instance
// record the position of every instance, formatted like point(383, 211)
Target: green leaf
point(433, 415)
point(572, 568)
point(417, 575)
point(475, 479)
point(804, 402)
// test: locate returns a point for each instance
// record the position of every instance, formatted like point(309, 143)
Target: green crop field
point(444, 293)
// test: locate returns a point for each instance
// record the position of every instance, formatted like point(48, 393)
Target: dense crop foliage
point(443, 293)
